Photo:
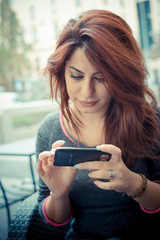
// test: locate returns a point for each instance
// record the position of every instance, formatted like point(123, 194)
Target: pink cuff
point(50, 221)
point(150, 211)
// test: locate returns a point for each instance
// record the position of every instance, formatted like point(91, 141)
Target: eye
point(99, 79)
point(76, 77)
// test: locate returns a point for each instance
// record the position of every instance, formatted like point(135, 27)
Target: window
point(34, 34)
point(32, 12)
point(156, 77)
point(53, 6)
point(78, 3)
point(122, 3)
point(56, 29)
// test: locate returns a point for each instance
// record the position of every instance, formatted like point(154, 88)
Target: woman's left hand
point(121, 179)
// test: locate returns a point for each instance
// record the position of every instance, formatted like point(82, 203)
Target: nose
point(87, 88)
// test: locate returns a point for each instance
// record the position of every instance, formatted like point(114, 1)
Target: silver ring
point(112, 174)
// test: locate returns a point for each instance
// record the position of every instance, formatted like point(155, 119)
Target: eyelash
point(76, 77)
point(80, 77)
point(99, 79)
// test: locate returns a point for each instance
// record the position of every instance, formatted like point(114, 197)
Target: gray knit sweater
point(97, 214)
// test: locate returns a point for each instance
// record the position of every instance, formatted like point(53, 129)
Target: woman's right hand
point(57, 179)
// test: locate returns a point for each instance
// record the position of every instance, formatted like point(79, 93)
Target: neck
point(91, 130)
point(90, 119)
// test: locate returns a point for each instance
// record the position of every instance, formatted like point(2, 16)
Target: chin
point(88, 111)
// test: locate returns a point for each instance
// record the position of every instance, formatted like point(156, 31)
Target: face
point(85, 85)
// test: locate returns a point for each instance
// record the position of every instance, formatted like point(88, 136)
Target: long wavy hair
point(131, 123)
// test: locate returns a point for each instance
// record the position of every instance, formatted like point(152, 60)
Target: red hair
point(107, 40)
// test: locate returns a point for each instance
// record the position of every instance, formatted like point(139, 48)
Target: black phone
point(67, 156)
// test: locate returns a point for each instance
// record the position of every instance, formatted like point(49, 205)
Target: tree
point(13, 49)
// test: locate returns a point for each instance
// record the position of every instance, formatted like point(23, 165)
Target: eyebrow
point(76, 69)
point(79, 70)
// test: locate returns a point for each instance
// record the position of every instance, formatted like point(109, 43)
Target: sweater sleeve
point(44, 143)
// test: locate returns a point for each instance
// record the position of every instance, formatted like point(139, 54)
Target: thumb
point(58, 143)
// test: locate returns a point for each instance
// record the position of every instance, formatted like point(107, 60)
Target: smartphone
point(66, 156)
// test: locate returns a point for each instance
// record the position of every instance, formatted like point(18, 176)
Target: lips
point(87, 103)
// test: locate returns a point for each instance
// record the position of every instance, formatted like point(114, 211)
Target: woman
point(99, 73)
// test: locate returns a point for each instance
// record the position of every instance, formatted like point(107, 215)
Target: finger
point(45, 155)
point(58, 143)
point(94, 165)
point(51, 158)
point(101, 174)
point(40, 168)
point(104, 185)
point(115, 151)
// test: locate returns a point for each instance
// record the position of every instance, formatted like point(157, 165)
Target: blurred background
point(28, 33)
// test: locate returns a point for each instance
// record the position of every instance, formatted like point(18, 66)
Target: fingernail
point(59, 141)
point(52, 153)
point(95, 182)
point(98, 147)
point(76, 166)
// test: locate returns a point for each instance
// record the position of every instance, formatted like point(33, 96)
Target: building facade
point(42, 20)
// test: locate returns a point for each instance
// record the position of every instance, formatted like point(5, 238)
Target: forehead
point(79, 60)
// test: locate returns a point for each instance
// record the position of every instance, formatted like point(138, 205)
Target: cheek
point(103, 94)
point(71, 89)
